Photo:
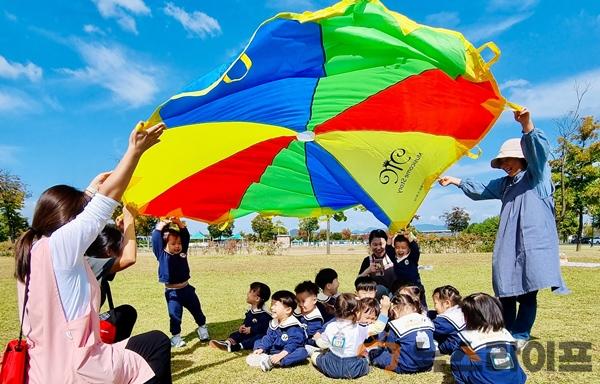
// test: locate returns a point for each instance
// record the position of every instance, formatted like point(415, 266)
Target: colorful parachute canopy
point(352, 104)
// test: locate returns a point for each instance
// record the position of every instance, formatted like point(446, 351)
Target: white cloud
point(10, 16)
point(122, 11)
point(557, 97)
point(443, 19)
point(492, 28)
point(92, 29)
point(516, 83)
point(8, 154)
point(14, 101)
point(116, 70)
point(511, 5)
point(196, 23)
point(15, 70)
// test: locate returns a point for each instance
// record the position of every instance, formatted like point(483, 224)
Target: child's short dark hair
point(401, 239)
point(307, 286)
point(109, 240)
point(263, 291)
point(370, 304)
point(402, 300)
point(482, 312)
point(325, 276)
point(377, 233)
point(409, 289)
point(448, 292)
point(347, 306)
point(365, 283)
point(287, 298)
point(169, 231)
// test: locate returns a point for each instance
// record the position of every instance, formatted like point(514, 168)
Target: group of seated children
point(344, 334)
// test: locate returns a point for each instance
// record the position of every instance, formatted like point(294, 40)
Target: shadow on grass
point(180, 366)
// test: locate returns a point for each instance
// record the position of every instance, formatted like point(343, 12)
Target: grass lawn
point(222, 283)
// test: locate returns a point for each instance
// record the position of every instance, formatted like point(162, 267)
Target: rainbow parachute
point(352, 104)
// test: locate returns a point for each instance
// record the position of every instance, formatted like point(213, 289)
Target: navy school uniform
point(288, 336)
point(409, 346)
point(311, 323)
point(326, 305)
point(487, 358)
point(407, 270)
point(448, 325)
point(258, 321)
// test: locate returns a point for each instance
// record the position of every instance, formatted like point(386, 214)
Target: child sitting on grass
point(327, 281)
point(307, 311)
point(489, 353)
point(365, 286)
point(345, 337)
point(449, 321)
point(283, 345)
point(256, 321)
point(409, 346)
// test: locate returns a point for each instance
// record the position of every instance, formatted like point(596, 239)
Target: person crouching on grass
point(283, 345)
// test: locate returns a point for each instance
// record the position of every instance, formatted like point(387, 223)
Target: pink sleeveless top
point(64, 351)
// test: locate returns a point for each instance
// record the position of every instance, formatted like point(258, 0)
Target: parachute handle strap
point(495, 50)
point(245, 59)
point(474, 155)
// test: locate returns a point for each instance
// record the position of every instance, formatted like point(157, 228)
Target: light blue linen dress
point(525, 255)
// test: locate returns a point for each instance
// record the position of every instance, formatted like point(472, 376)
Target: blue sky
point(75, 76)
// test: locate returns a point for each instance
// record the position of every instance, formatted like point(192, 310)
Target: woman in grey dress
point(525, 257)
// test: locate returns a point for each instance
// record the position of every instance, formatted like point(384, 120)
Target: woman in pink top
point(61, 318)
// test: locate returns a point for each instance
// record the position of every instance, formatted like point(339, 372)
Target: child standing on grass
point(283, 345)
point(409, 346)
point(489, 352)
point(344, 337)
point(407, 263)
point(449, 321)
point(327, 281)
point(170, 242)
point(256, 321)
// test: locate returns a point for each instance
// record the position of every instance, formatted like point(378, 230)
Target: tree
point(308, 225)
point(13, 193)
point(263, 227)
point(577, 173)
point(217, 230)
point(279, 228)
point(456, 220)
point(486, 228)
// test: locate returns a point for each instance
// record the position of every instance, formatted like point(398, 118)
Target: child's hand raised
point(385, 304)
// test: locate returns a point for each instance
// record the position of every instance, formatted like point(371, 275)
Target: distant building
point(284, 240)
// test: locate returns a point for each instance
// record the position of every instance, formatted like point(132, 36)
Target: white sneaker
point(266, 365)
point(203, 333)
point(177, 341)
point(521, 343)
point(311, 349)
point(255, 360)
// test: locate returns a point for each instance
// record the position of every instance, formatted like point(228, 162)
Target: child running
point(489, 354)
point(256, 321)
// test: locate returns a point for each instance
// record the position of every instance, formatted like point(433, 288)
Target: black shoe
point(234, 347)
point(222, 345)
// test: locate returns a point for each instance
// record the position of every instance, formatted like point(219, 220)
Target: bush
point(463, 243)
point(7, 249)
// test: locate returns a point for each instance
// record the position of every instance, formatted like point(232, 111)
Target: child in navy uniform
point(256, 321)
point(308, 313)
point(409, 346)
point(283, 345)
point(489, 353)
point(327, 281)
point(365, 287)
point(406, 266)
point(170, 241)
point(449, 321)
point(344, 337)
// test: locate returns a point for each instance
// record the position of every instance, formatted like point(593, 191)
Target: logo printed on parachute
point(398, 166)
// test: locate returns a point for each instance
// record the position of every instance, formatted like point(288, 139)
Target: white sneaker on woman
point(203, 333)
point(177, 341)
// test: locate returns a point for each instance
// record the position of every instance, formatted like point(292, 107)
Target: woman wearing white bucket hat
point(525, 257)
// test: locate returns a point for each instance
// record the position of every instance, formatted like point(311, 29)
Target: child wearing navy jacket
point(327, 281)
point(170, 242)
point(489, 352)
point(406, 265)
point(283, 345)
point(409, 346)
point(256, 321)
point(307, 312)
point(449, 321)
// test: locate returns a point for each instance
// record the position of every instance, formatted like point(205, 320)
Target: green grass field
point(222, 283)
